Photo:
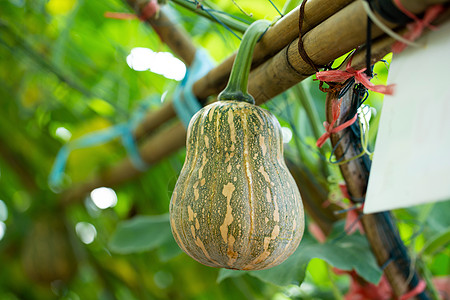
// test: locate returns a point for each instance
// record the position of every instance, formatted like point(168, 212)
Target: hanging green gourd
point(235, 204)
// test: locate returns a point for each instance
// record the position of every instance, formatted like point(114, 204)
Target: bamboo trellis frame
point(285, 31)
point(276, 38)
point(277, 67)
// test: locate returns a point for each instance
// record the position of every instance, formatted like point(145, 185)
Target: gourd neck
point(236, 89)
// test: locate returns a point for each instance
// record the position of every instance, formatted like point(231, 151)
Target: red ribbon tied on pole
point(360, 76)
point(416, 28)
point(420, 287)
point(336, 111)
point(147, 12)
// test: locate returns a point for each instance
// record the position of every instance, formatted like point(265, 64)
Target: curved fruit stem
point(237, 84)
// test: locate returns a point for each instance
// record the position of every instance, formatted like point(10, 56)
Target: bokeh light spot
point(163, 63)
point(104, 197)
point(3, 211)
point(63, 133)
point(86, 232)
point(2, 230)
point(287, 134)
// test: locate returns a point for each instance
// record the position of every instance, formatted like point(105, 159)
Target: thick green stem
point(311, 112)
point(237, 84)
point(314, 121)
point(336, 292)
point(428, 277)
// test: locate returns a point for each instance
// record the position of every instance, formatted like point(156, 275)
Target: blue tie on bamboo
point(184, 100)
point(122, 130)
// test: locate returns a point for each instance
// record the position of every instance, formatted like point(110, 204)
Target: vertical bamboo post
point(380, 231)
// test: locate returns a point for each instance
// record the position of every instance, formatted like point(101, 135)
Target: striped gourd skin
point(235, 204)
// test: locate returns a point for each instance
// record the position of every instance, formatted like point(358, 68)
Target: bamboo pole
point(152, 150)
point(276, 38)
point(381, 239)
point(170, 33)
point(356, 178)
point(282, 33)
point(331, 39)
point(382, 236)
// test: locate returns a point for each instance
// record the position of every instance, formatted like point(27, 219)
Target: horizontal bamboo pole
point(268, 80)
point(276, 38)
point(159, 146)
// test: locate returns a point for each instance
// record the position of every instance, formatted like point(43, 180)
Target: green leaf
point(437, 243)
point(102, 107)
point(141, 233)
point(351, 252)
point(438, 219)
point(169, 250)
point(346, 253)
point(227, 273)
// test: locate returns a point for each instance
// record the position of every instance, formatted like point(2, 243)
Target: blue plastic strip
point(55, 177)
point(96, 138)
point(132, 149)
point(184, 100)
point(178, 102)
point(122, 130)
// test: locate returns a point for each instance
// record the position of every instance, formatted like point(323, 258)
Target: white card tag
point(411, 162)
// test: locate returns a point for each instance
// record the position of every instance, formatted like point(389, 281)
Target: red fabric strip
point(360, 76)
point(420, 287)
point(330, 129)
point(149, 10)
point(119, 15)
point(416, 28)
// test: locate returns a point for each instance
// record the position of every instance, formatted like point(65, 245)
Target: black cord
point(208, 11)
point(276, 8)
point(368, 47)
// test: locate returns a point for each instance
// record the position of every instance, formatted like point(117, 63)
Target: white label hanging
point(411, 163)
